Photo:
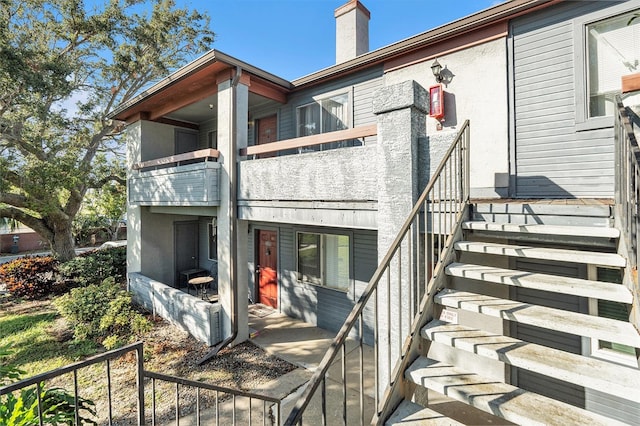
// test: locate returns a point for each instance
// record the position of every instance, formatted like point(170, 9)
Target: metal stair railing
point(224, 411)
point(410, 273)
point(627, 181)
point(268, 411)
point(40, 380)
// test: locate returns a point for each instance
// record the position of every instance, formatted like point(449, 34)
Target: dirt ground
point(167, 350)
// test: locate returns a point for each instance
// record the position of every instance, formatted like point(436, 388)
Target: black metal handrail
point(409, 264)
point(242, 416)
point(106, 358)
point(268, 415)
point(627, 181)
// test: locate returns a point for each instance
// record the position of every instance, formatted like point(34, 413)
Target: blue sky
point(293, 38)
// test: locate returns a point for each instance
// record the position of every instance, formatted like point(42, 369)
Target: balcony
point(345, 173)
point(190, 179)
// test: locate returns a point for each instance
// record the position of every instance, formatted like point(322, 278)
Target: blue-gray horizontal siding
point(612, 406)
point(318, 305)
point(196, 184)
point(362, 85)
point(552, 158)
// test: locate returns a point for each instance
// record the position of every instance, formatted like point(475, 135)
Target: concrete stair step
point(540, 316)
point(584, 371)
point(573, 231)
point(411, 414)
point(497, 398)
point(543, 253)
point(552, 283)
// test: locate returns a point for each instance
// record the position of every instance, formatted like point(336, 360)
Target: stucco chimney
point(352, 30)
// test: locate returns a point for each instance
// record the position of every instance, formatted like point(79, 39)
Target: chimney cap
point(351, 5)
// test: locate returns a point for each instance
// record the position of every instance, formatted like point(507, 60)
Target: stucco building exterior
point(291, 192)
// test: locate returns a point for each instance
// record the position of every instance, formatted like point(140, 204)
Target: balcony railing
point(188, 179)
point(312, 141)
point(178, 159)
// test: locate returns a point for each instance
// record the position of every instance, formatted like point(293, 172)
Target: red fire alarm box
point(436, 102)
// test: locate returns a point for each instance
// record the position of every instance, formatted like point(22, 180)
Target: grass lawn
point(38, 337)
point(40, 341)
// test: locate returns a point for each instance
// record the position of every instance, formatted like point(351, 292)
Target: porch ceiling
point(193, 87)
point(207, 108)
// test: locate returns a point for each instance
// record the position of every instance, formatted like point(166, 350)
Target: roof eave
point(203, 61)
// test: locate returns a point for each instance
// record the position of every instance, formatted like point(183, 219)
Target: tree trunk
point(62, 244)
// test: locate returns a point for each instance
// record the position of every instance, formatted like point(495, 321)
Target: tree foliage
point(102, 213)
point(63, 68)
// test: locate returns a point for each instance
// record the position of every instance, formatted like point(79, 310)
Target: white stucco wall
point(477, 91)
point(352, 35)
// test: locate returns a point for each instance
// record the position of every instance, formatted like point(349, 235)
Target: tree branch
point(32, 222)
point(15, 200)
point(111, 178)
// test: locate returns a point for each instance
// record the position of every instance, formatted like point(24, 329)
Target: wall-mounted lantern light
point(436, 68)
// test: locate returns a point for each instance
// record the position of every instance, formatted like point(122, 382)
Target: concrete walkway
point(305, 345)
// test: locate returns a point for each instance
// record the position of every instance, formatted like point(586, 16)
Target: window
point(613, 50)
point(326, 115)
point(213, 241)
point(324, 259)
point(604, 308)
point(212, 139)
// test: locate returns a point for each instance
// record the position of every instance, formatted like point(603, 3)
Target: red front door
point(267, 268)
point(267, 130)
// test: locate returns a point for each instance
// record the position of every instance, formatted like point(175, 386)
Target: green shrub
point(95, 266)
point(104, 313)
point(84, 307)
point(33, 277)
point(21, 407)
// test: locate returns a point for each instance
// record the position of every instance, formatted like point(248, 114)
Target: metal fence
point(229, 406)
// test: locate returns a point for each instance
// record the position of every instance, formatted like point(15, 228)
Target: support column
point(233, 104)
point(133, 136)
point(401, 111)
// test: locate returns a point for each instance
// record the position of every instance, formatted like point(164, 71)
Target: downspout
point(233, 194)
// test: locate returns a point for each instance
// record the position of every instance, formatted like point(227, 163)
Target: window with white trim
point(327, 114)
point(324, 259)
point(613, 50)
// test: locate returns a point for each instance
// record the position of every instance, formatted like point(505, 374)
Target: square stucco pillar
point(233, 105)
point(401, 110)
point(133, 137)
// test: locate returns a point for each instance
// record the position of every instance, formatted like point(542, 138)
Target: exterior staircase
point(516, 336)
